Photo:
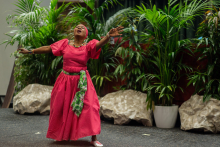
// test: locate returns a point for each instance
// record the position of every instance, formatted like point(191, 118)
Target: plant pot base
point(165, 116)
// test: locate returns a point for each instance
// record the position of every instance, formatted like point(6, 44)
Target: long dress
point(63, 122)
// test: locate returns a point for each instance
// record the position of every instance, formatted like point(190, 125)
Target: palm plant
point(206, 80)
point(94, 20)
point(35, 27)
point(167, 59)
point(132, 55)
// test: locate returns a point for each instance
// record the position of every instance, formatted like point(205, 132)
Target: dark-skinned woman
point(74, 106)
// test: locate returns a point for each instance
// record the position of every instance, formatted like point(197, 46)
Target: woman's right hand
point(23, 51)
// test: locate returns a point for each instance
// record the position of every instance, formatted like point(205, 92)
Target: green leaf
point(169, 88)
point(219, 88)
point(210, 69)
point(203, 78)
point(101, 81)
point(136, 38)
point(162, 92)
point(97, 78)
point(207, 98)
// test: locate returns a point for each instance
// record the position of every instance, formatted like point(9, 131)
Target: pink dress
point(63, 123)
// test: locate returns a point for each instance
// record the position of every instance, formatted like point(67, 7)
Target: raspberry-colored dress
point(63, 122)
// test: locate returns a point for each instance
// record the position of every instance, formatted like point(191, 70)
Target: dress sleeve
point(91, 48)
point(58, 47)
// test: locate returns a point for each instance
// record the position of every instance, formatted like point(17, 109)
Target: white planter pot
point(165, 116)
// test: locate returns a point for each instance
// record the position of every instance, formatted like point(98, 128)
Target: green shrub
point(206, 80)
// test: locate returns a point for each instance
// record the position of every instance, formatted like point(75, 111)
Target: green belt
point(77, 102)
point(68, 73)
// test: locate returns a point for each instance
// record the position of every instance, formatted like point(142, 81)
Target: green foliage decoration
point(206, 80)
point(35, 26)
point(133, 57)
point(167, 47)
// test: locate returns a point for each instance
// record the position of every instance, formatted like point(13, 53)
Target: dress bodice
point(75, 59)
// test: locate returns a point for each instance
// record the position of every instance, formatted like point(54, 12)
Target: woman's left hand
point(115, 31)
point(112, 33)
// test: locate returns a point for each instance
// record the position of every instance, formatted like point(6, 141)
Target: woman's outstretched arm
point(40, 50)
point(112, 33)
point(102, 42)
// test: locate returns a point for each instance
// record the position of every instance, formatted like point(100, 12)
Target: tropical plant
point(133, 56)
point(94, 19)
point(100, 70)
point(35, 27)
point(167, 59)
point(206, 79)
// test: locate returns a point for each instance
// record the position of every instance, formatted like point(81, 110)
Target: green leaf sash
point(77, 102)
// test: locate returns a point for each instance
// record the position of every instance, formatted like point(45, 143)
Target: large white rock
point(33, 98)
point(125, 106)
point(196, 114)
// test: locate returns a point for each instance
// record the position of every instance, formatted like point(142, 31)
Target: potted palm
point(167, 58)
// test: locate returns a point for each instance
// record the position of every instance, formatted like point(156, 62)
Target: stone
point(126, 105)
point(198, 115)
point(33, 98)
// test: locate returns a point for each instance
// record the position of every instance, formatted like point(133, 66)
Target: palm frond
point(26, 6)
point(117, 19)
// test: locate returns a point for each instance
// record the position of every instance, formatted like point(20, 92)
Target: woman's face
point(80, 30)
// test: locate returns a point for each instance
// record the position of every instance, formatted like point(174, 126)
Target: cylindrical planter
point(165, 116)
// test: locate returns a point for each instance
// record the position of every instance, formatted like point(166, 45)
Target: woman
point(74, 106)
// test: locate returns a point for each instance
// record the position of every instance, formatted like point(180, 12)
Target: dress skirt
point(63, 122)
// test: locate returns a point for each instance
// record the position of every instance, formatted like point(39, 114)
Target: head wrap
point(86, 30)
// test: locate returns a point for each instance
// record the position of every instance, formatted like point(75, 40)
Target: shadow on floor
point(78, 143)
point(201, 132)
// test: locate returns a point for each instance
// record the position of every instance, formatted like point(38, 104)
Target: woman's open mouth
point(79, 31)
